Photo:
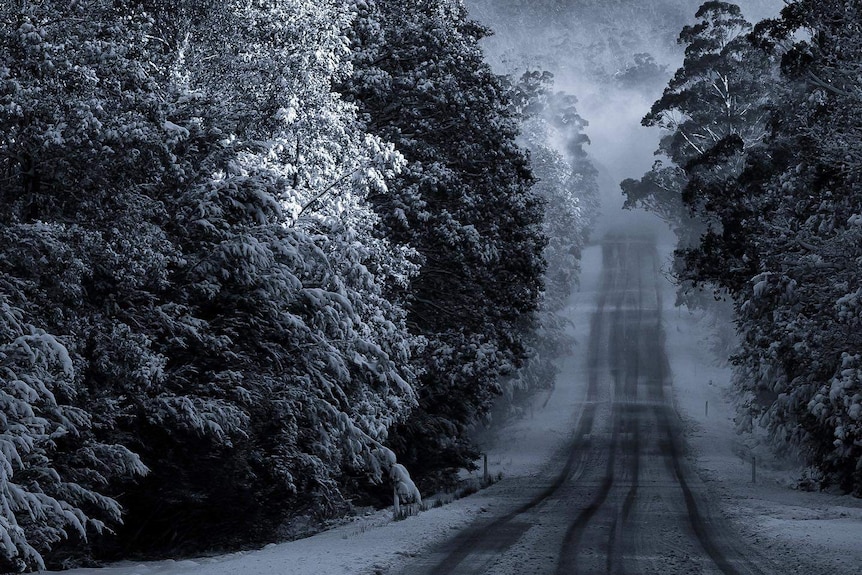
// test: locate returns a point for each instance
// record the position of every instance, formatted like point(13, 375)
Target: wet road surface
point(623, 499)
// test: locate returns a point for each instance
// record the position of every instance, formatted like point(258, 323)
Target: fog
point(615, 56)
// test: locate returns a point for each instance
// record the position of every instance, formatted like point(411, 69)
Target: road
point(623, 500)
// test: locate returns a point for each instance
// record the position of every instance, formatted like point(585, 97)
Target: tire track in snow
point(489, 535)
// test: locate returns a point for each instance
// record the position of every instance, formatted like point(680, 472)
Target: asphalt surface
point(622, 499)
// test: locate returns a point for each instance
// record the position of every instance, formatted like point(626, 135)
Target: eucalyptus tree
point(713, 111)
point(799, 315)
point(778, 195)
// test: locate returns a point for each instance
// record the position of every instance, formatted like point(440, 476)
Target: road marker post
point(485, 477)
point(753, 469)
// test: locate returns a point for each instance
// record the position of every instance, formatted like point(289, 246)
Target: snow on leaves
point(188, 202)
point(464, 201)
point(251, 272)
point(39, 498)
point(779, 204)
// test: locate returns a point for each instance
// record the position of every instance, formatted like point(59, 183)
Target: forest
point(759, 175)
point(264, 261)
point(261, 261)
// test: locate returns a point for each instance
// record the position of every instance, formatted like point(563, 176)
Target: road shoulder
point(806, 533)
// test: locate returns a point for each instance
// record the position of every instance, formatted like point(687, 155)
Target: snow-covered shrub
point(41, 503)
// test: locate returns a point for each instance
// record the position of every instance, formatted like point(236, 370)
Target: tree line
point(261, 260)
point(760, 176)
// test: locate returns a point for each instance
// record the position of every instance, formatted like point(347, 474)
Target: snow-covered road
point(625, 500)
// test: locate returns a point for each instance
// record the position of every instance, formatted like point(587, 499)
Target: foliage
point(185, 200)
point(50, 466)
point(777, 196)
point(463, 202)
point(217, 269)
point(553, 132)
point(798, 314)
point(714, 112)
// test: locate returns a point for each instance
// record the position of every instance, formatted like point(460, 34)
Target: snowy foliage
point(781, 236)
point(186, 199)
point(566, 180)
point(41, 500)
point(464, 203)
point(296, 350)
point(266, 244)
point(799, 315)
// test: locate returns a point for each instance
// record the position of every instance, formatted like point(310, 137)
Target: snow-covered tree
point(799, 313)
point(713, 112)
point(75, 144)
point(291, 339)
point(49, 464)
point(553, 132)
point(463, 202)
point(783, 238)
point(186, 199)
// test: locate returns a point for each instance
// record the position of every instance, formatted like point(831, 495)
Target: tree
point(714, 111)
point(464, 203)
point(69, 155)
point(719, 94)
point(798, 368)
point(553, 132)
point(292, 341)
point(782, 237)
point(186, 203)
point(49, 462)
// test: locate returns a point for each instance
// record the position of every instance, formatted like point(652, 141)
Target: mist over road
point(621, 498)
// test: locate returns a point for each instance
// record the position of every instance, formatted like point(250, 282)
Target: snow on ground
point(788, 523)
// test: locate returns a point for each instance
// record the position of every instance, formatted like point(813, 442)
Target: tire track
point(671, 447)
point(480, 538)
point(632, 453)
point(645, 513)
point(624, 373)
point(630, 362)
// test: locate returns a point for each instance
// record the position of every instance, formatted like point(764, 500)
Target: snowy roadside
point(808, 532)
point(375, 543)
